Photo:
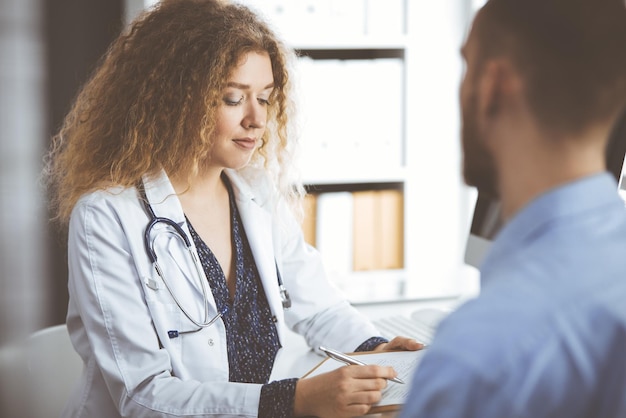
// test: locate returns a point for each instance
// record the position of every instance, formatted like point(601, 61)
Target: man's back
point(546, 337)
point(545, 82)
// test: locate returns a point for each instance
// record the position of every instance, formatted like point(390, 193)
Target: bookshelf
point(378, 85)
point(351, 80)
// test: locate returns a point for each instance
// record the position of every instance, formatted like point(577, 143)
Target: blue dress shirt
point(547, 335)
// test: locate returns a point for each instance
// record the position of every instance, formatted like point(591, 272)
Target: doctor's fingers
point(355, 398)
point(400, 344)
point(336, 394)
point(368, 374)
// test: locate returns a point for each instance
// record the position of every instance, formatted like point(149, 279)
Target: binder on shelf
point(357, 231)
point(385, 17)
point(309, 220)
point(391, 229)
point(334, 233)
point(365, 240)
point(386, 136)
point(347, 17)
point(378, 230)
point(340, 113)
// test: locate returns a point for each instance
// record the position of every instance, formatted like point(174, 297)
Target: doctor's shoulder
point(117, 203)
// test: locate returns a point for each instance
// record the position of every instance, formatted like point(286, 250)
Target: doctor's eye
point(233, 101)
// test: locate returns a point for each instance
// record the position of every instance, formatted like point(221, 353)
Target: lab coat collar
point(251, 184)
point(242, 190)
point(162, 197)
point(165, 203)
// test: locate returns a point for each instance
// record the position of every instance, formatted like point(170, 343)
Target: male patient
point(545, 82)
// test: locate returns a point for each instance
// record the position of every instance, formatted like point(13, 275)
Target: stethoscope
point(178, 232)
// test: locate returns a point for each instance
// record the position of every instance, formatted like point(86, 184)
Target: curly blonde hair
point(150, 103)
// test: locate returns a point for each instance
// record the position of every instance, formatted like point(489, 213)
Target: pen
point(336, 355)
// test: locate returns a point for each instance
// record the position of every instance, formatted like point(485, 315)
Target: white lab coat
point(118, 322)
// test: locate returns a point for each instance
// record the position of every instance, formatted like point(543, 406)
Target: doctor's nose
point(255, 117)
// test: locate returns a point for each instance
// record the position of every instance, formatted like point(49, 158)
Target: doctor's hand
point(400, 344)
point(348, 391)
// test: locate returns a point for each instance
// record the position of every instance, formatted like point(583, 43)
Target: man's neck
point(545, 165)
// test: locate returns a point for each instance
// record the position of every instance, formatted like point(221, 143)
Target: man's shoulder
point(495, 330)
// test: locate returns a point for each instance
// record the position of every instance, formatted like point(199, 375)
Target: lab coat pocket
point(166, 317)
point(194, 353)
point(205, 354)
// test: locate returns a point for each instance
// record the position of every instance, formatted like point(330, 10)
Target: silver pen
point(346, 359)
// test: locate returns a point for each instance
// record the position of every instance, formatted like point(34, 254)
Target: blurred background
point(47, 49)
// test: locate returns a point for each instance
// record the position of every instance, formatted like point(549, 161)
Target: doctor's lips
point(247, 143)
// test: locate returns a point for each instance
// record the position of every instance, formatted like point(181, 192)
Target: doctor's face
point(242, 113)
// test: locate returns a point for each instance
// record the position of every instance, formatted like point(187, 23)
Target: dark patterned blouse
point(251, 335)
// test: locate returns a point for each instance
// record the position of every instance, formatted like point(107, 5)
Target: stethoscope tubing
point(180, 234)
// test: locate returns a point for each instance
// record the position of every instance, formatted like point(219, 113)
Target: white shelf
point(349, 43)
point(353, 175)
point(382, 286)
point(373, 286)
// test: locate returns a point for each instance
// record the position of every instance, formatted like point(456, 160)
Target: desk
point(297, 358)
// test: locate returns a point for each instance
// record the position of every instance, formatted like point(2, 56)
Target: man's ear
point(498, 88)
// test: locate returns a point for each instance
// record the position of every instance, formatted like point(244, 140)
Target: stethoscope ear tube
point(155, 220)
point(146, 243)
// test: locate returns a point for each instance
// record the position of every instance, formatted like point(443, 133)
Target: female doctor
point(186, 264)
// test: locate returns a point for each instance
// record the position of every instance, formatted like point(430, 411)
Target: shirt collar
point(566, 201)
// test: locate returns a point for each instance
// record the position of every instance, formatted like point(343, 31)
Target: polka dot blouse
point(251, 335)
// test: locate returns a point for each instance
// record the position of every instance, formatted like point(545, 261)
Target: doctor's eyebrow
point(241, 86)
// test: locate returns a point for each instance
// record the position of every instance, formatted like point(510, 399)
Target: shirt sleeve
point(456, 387)
point(371, 343)
point(277, 399)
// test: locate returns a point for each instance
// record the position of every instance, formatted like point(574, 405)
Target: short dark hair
point(570, 53)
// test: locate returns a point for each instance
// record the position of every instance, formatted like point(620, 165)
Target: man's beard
point(479, 169)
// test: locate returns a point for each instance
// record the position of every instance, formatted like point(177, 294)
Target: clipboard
point(394, 395)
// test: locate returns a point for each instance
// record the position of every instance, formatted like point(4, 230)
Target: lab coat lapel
point(257, 223)
point(165, 203)
point(162, 197)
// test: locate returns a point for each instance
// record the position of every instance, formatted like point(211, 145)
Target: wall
point(47, 50)
point(77, 33)
point(22, 218)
